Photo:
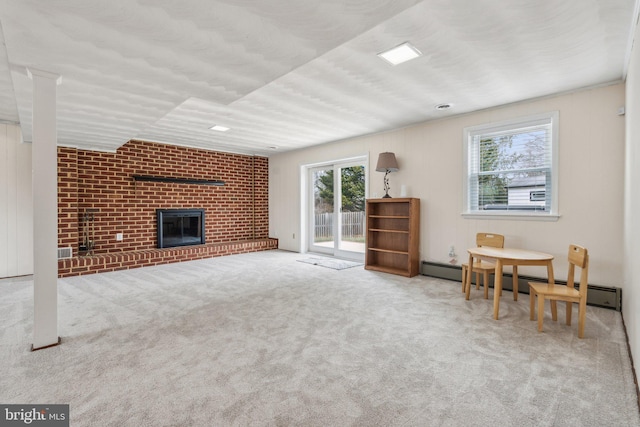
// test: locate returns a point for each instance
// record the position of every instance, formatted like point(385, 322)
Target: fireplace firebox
point(180, 227)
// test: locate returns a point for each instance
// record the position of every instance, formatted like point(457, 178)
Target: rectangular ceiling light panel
point(401, 53)
point(219, 128)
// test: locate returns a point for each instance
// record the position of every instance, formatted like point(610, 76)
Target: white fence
point(352, 225)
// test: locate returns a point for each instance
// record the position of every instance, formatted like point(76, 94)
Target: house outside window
point(511, 168)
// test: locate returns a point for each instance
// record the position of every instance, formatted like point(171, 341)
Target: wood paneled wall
point(16, 205)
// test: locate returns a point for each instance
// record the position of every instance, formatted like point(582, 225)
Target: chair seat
point(555, 290)
point(481, 266)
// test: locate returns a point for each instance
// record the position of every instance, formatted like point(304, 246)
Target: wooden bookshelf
point(393, 236)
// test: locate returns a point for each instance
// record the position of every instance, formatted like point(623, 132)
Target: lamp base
point(386, 185)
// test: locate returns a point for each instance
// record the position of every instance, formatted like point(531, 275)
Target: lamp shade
point(387, 162)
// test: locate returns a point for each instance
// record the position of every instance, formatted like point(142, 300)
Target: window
point(510, 168)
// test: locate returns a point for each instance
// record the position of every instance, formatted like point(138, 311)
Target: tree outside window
point(353, 191)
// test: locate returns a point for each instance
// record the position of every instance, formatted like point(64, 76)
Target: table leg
point(515, 283)
point(498, 289)
point(467, 285)
point(550, 272)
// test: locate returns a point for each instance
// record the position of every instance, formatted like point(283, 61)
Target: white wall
point(631, 289)
point(591, 179)
point(16, 205)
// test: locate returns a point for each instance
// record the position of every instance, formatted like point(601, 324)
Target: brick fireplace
point(236, 211)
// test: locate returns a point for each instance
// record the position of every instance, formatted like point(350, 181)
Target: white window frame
point(469, 133)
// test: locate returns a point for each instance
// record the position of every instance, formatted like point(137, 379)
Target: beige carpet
point(263, 340)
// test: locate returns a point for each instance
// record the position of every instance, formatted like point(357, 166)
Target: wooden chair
point(578, 257)
point(483, 239)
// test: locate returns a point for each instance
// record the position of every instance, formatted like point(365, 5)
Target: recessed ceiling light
point(401, 53)
point(445, 106)
point(219, 128)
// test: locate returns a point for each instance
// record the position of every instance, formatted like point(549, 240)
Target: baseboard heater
point(598, 296)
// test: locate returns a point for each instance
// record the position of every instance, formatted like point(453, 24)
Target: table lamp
point(386, 163)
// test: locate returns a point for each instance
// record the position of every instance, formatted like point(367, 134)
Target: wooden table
point(502, 257)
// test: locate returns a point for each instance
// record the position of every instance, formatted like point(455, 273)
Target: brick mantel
point(103, 183)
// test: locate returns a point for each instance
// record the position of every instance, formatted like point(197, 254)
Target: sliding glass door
point(337, 197)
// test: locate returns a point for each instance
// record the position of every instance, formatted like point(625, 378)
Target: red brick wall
point(100, 181)
point(68, 198)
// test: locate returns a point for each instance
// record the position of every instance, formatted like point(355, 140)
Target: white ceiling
point(293, 73)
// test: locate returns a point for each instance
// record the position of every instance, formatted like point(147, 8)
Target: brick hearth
point(142, 258)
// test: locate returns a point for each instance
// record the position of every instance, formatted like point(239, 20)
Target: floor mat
point(336, 264)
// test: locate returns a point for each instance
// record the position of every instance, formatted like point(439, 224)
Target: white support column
point(45, 209)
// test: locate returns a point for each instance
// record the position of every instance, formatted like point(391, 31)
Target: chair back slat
point(584, 275)
point(491, 240)
point(571, 276)
point(577, 255)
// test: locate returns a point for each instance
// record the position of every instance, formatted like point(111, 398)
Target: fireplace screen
point(180, 227)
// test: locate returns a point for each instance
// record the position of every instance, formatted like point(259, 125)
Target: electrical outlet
point(119, 237)
point(294, 235)
point(452, 252)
